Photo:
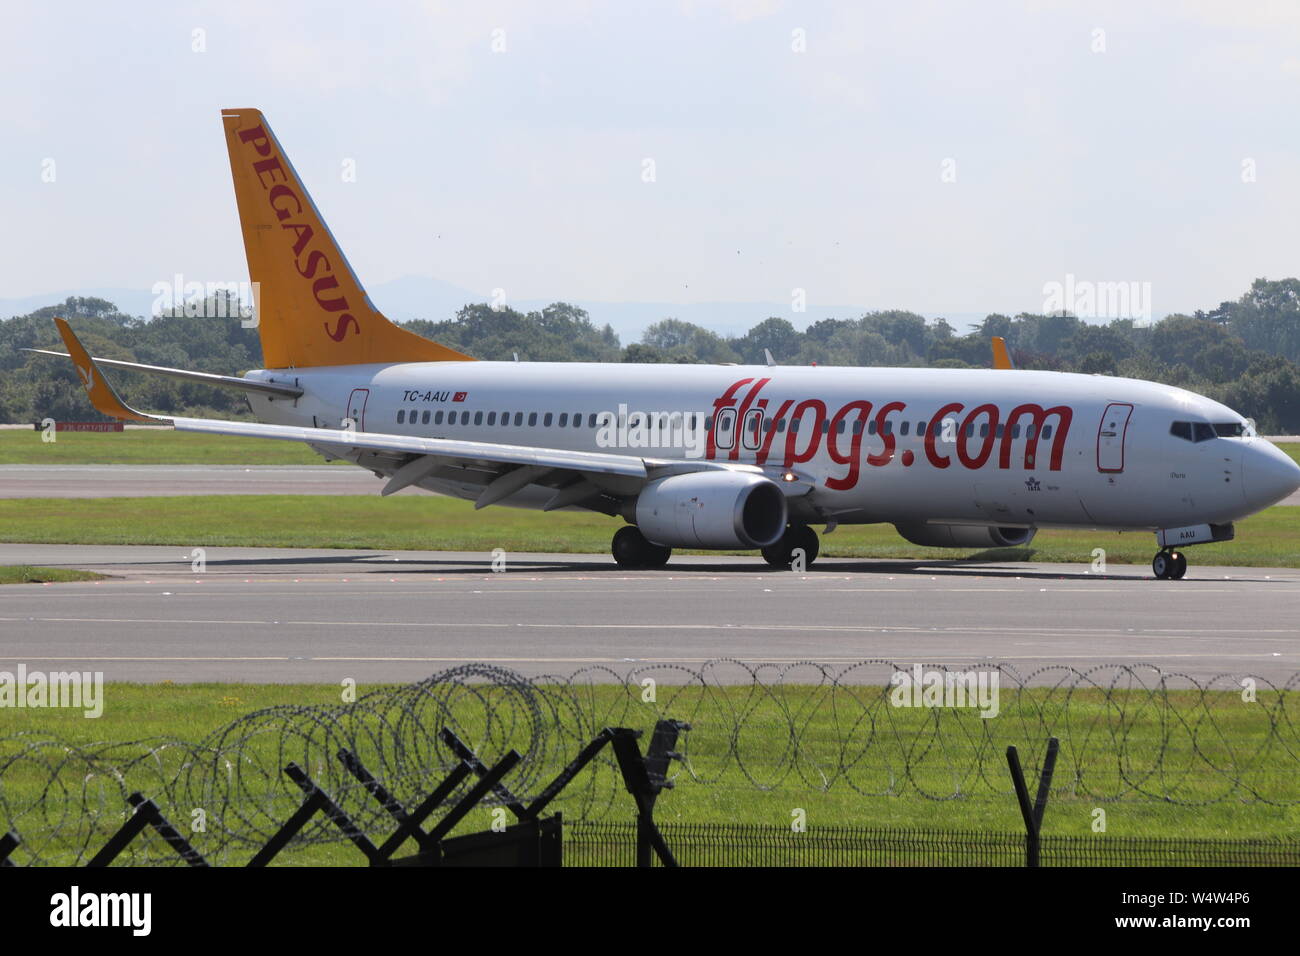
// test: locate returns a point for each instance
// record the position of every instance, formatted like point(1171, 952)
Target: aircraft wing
point(576, 477)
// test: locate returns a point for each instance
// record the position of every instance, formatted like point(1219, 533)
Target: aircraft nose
point(1268, 474)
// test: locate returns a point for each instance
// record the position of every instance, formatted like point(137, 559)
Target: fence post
point(1033, 815)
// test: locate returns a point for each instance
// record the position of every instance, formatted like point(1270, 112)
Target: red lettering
point(852, 459)
point(271, 166)
point(313, 260)
point(332, 305)
point(342, 328)
point(760, 457)
point(886, 454)
point(793, 457)
point(278, 191)
point(936, 423)
point(989, 437)
point(257, 136)
point(1038, 416)
point(740, 415)
point(728, 397)
point(304, 234)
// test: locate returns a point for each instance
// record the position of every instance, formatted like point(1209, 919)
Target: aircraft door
point(1110, 437)
point(357, 407)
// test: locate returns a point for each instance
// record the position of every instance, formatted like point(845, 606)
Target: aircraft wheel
point(631, 550)
point(1162, 565)
point(781, 554)
point(1180, 565)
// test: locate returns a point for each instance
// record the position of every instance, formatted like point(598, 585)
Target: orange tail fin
point(311, 307)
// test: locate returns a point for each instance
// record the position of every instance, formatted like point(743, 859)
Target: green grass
point(1268, 539)
point(1156, 738)
point(148, 446)
point(26, 574)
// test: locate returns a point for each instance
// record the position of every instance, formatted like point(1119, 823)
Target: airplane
point(712, 457)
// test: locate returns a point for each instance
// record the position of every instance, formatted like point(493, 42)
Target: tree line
point(1245, 354)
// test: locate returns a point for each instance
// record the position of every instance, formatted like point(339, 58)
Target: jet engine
point(965, 536)
point(713, 510)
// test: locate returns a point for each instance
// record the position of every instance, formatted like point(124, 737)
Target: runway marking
point(878, 630)
point(1107, 658)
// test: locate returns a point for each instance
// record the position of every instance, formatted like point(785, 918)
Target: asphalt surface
point(280, 615)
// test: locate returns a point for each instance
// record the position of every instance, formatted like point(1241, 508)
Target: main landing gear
point(797, 537)
point(1169, 565)
point(631, 549)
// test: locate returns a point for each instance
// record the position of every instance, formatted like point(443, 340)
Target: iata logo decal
point(288, 205)
point(743, 419)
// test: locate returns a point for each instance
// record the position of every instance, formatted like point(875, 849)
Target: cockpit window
point(1196, 431)
point(1230, 429)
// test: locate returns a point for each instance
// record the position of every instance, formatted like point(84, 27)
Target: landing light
point(789, 476)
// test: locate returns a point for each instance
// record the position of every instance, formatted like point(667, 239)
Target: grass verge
point(26, 574)
point(1232, 784)
point(1268, 539)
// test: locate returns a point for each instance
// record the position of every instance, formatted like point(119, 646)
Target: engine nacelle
point(712, 509)
point(966, 536)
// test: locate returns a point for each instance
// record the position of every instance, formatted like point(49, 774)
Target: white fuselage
point(903, 445)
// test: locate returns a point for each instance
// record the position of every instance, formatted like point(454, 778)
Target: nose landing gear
point(1169, 565)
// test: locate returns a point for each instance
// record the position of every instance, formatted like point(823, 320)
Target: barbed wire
point(1127, 732)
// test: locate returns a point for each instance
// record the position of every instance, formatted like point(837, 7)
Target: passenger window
point(1001, 428)
point(753, 423)
point(401, 416)
point(532, 419)
point(920, 428)
point(826, 425)
point(839, 426)
point(970, 431)
point(564, 419)
point(902, 429)
point(437, 417)
point(984, 430)
point(1029, 430)
point(478, 418)
point(591, 422)
point(519, 419)
point(1047, 431)
point(464, 418)
point(725, 436)
point(492, 418)
point(424, 419)
point(871, 428)
point(857, 426)
point(794, 424)
point(1015, 431)
point(577, 419)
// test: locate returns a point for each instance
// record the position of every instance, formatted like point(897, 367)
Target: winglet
point(1001, 357)
point(102, 395)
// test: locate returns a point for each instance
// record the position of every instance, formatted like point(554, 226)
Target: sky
point(951, 157)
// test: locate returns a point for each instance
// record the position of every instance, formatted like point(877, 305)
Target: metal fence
point(601, 843)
